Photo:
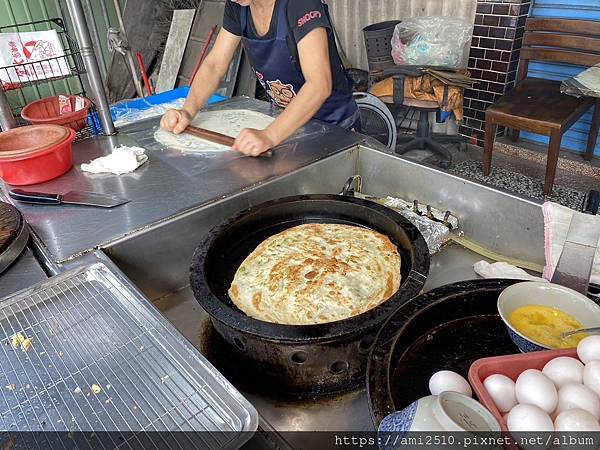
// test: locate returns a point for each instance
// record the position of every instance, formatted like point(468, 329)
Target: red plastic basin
point(36, 153)
point(47, 111)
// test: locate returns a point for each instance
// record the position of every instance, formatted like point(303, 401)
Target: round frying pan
point(14, 234)
point(301, 358)
point(447, 328)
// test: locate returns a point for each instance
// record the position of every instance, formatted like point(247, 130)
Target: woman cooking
point(291, 47)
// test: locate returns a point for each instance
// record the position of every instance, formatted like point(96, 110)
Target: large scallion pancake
point(317, 273)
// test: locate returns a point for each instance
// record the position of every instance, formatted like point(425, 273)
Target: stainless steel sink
point(157, 258)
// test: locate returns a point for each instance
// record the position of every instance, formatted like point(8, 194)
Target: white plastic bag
point(30, 56)
point(432, 41)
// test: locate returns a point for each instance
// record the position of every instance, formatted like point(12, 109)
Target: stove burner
point(233, 364)
point(247, 376)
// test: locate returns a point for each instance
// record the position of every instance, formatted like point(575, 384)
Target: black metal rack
point(25, 82)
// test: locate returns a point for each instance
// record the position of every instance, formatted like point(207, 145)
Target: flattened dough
point(229, 122)
point(317, 273)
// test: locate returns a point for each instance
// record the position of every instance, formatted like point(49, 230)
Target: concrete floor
point(521, 169)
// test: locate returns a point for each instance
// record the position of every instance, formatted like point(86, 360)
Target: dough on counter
point(229, 122)
point(317, 273)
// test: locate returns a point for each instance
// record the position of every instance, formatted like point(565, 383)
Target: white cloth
point(557, 219)
point(502, 270)
point(121, 160)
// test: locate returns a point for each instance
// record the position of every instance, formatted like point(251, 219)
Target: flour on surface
point(229, 122)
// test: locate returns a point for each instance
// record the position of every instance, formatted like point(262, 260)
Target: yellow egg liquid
point(545, 324)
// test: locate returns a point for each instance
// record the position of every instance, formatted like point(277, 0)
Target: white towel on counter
point(502, 270)
point(122, 160)
point(557, 219)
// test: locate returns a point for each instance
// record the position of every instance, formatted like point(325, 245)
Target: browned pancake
point(317, 273)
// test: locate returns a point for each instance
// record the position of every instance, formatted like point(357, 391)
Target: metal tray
point(89, 327)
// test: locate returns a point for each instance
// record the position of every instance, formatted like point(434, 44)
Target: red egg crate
point(511, 366)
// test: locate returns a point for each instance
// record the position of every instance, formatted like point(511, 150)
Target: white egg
point(535, 388)
point(588, 349)
point(502, 390)
point(578, 396)
point(576, 420)
point(528, 418)
point(446, 380)
point(564, 370)
point(591, 376)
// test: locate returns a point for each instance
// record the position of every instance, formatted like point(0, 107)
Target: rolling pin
point(211, 136)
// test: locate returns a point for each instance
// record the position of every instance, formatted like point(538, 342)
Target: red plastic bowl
point(512, 366)
point(46, 111)
point(36, 153)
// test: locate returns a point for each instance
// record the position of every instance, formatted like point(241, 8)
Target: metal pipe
point(61, 6)
point(104, 10)
point(7, 120)
point(128, 55)
point(91, 65)
point(87, 6)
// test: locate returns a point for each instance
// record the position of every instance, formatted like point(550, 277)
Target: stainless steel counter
point(23, 273)
point(177, 198)
point(170, 184)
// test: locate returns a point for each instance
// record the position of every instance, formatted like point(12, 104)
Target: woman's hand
point(253, 142)
point(175, 120)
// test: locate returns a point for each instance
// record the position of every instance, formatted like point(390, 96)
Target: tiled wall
point(494, 58)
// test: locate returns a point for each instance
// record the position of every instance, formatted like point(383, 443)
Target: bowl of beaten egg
point(537, 313)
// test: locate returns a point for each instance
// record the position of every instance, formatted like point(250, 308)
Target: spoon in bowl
point(594, 330)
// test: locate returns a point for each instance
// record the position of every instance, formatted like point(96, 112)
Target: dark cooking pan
point(447, 328)
point(298, 359)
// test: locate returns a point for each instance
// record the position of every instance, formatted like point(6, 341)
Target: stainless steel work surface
point(500, 221)
point(23, 273)
point(100, 357)
point(170, 183)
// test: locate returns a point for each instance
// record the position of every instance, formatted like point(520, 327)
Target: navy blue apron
point(281, 77)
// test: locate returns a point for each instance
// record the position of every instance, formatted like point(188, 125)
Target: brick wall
point(494, 58)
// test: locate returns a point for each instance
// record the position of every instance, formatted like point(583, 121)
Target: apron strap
point(282, 22)
point(331, 34)
point(244, 20)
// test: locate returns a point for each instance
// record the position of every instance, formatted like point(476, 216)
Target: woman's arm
point(206, 82)
point(313, 51)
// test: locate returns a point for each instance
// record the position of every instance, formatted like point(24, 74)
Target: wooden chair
point(537, 105)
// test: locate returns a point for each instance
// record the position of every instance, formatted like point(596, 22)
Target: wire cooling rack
point(83, 352)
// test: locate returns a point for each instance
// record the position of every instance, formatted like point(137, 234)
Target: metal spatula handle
point(39, 198)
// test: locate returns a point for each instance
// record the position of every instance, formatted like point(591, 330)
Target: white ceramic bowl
point(449, 411)
point(545, 294)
